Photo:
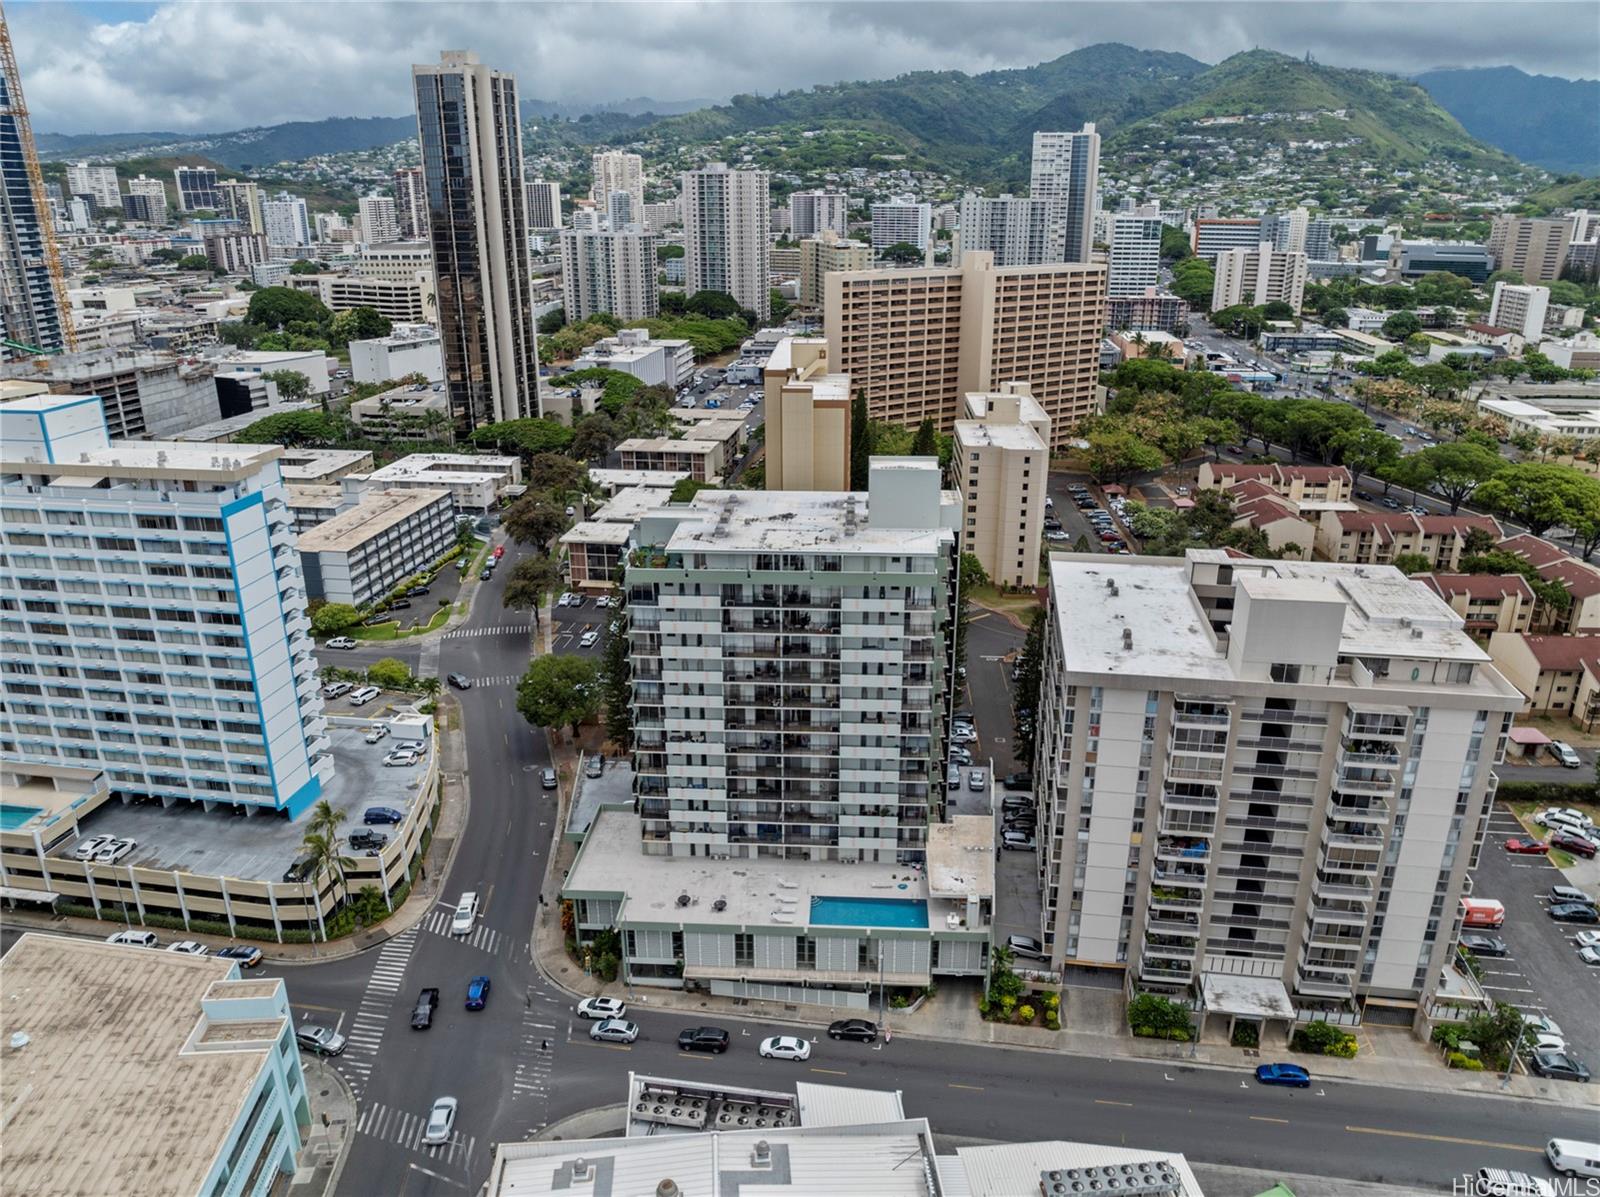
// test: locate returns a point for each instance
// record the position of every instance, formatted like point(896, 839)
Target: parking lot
point(1074, 522)
point(260, 846)
point(1542, 974)
point(573, 623)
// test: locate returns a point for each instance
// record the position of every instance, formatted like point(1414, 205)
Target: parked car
point(188, 947)
point(978, 780)
point(115, 851)
point(377, 732)
point(321, 1041)
point(963, 735)
point(1578, 845)
point(1019, 781)
point(1283, 1074)
point(337, 689)
point(565, 600)
point(441, 1121)
point(422, 1012)
point(703, 1039)
point(1526, 847)
point(960, 756)
point(133, 939)
point(861, 1030)
point(1587, 939)
point(245, 954)
point(588, 639)
point(499, 551)
point(1561, 1066)
point(486, 573)
point(477, 993)
point(1561, 820)
point(1571, 814)
point(614, 1030)
point(1573, 912)
point(785, 1047)
point(1017, 841)
point(363, 838)
point(602, 1007)
point(594, 766)
point(364, 695)
point(1568, 893)
point(417, 591)
point(1590, 956)
point(1485, 945)
point(1542, 1024)
point(301, 869)
point(375, 815)
point(1026, 947)
point(953, 779)
point(403, 757)
point(547, 779)
point(466, 914)
point(87, 848)
point(342, 642)
point(1565, 755)
point(1501, 1182)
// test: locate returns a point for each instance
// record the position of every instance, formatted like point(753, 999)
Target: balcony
point(1369, 811)
point(1351, 840)
point(1279, 744)
point(1330, 890)
point(1176, 848)
point(1163, 898)
point(1182, 801)
point(1302, 718)
point(1165, 970)
point(1310, 983)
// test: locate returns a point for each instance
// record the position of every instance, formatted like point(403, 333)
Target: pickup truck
point(422, 1016)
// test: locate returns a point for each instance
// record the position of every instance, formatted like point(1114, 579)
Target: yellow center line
point(974, 1088)
point(1100, 1102)
point(616, 1047)
point(831, 1071)
point(1258, 1118)
point(1400, 1134)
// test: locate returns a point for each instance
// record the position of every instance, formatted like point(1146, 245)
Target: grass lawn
point(990, 597)
point(382, 631)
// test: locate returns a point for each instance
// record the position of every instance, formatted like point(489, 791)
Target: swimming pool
point(869, 912)
point(12, 817)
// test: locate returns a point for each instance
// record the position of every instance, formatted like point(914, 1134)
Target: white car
point(335, 689)
point(441, 1121)
point(785, 1047)
point(188, 947)
point(115, 851)
point(342, 642)
point(614, 1030)
point(364, 695)
point(602, 1007)
point(1564, 754)
point(87, 849)
point(565, 600)
point(1539, 1024)
point(466, 914)
point(1544, 1042)
point(403, 757)
point(133, 939)
point(377, 732)
point(588, 639)
point(963, 735)
point(1561, 820)
point(1571, 815)
point(1587, 939)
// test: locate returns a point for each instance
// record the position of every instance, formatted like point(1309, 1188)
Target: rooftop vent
point(720, 904)
point(580, 1169)
point(761, 1157)
point(19, 1040)
point(1127, 638)
point(683, 899)
point(668, 1188)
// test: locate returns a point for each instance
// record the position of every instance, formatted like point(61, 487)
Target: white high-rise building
point(1289, 230)
point(901, 221)
point(286, 219)
point(332, 226)
point(379, 219)
point(812, 211)
point(609, 269)
point(97, 182)
point(617, 170)
point(1015, 230)
point(167, 575)
point(621, 209)
point(240, 199)
point(1135, 258)
point(1520, 308)
point(544, 204)
point(1319, 240)
point(1066, 174)
point(727, 218)
point(1272, 774)
point(1258, 276)
point(155, 193)
point(471, 137)
point(410, 203)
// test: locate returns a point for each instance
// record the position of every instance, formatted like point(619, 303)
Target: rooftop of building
point(626, 506)
point(624, 479)
point(1390, 522)
point(310, 494)
point(665, 444)
point(1097, 600)
point(1476, 585)
point(961, 857)
point(981, 434)
point(409, 395)
point(456, 465)
point(1008, 1169)
point(311, 465)
point(230, 426)
point(1280, 473)
point(731, 520)
point(47, 792)
point(372, 516)
point(1563, 653)
point(114, 1091)
point(599, 532)
point(738, 893)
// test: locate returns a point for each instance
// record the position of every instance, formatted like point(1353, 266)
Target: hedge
point(1325, 1039)
point(1465, 1063)
point(1547, 793)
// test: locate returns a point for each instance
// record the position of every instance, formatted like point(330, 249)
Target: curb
point(601, 1122)
point(327, 1070)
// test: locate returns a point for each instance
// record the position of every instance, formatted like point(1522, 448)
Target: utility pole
point(1516, 1047)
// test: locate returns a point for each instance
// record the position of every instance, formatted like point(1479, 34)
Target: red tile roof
point(1476, 585)
point(1532, 549)
point(1279, 473)
point(1564, 654)
point(1388, 523)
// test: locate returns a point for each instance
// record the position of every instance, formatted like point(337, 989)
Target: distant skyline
point(214, 66)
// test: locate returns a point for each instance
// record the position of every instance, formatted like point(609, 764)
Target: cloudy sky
point(214, 65)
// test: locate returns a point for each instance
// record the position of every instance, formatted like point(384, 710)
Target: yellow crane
point(14, 106)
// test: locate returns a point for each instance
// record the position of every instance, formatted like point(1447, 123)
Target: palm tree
point(430, 687)
point(323, 849)
point(325, 819)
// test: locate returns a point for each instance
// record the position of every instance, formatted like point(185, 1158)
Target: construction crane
point(13, 105)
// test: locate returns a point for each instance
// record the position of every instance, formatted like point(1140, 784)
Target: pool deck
point(688, 890)
point(869, 912)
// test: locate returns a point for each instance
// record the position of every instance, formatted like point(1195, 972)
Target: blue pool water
point(869, 912)
point(16, 816)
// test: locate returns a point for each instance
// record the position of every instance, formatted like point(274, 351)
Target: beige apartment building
point(915, 341)
point(826, 252)
point(1000, 468)
point(1258, 276)
point(1535, 249)
point(808, 418)
point(701, 460)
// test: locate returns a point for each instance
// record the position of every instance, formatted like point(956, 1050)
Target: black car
point(399, 604)
point(1019, 781)
point(460, 681)
point(417, 592)
point(1561, 1066)
point(1485, 945)
point(364, 837)
point(485, 574)
point(703, 1039)
point(1573, 912)
point(859, 1029)
point(422, 1016)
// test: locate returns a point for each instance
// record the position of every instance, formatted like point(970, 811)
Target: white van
point(1572, 1158)
point(466, 914)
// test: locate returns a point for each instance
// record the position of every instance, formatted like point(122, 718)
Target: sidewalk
point(333, 1117)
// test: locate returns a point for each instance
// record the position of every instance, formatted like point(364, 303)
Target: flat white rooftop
point(597, 532)
point(620, 479)
point(374, 515)
point(981, 434)
point(732, 520)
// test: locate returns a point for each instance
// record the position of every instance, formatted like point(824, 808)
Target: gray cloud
point(220, 65)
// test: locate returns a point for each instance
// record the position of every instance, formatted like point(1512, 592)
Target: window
point(1285, 673)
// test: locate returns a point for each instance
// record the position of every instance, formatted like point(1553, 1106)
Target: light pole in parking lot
point(1516, 1047)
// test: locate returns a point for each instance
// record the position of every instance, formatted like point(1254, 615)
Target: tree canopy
point(1542, 496)
point(559, 690)
point(275, 306)
point(1452, 471)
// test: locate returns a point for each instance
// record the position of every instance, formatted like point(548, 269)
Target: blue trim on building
point(304, 797)
point(228, 510)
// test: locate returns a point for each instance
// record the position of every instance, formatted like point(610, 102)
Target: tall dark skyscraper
point(30, 303)
point(471, 141)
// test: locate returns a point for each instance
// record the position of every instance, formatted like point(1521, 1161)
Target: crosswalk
point(503, 629)
point(405, 1129)
point(485, 939)
point(499, 679)
point(365, 1033)
point(535, 1053)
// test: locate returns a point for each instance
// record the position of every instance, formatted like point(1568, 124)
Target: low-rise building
point(313, 364)
point(596, 545)
point(1152, 311)
point(1488, 602)
point(1377, 538)
point(404, 301)
point(415, 412)
point(1291, 531)
point(1000, 466)
point(302, 466)
point(1578, 578)
point(477, 482)
point(363, 553)
point(701, 460)
point(134, 1071)
point(1305, 484)
point(1552, 671)
point(414, 349)
point(664, 362)
point(807, 411)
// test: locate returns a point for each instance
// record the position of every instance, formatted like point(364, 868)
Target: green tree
point(552, 321)
point(1365, 451)
point(559, 691)
point(972, 571)
point(860, 442)
point(1412, 563)
point(902, 252)
point(327, 859)
point(553, 472)
point(1113, 453)
point(1402, 325)
point(1277, 310)
point(358, 324)
point(1193, 281)
point(685, 489)
point(526, 437)
point(389, 673)
point(1451, 471)
point(616, 676)
point(276, 307)
point(530, 580)
point(332, 618)
point(194, 262)
point(1541, 496)
point(536, 520)
point(1174, 244)
point(292, 428)
point(305, 266)
point(1510, 277)
point(593, 436)
point(1028, 685)
point(292, 384)
point(926, 442)
point(778, 308)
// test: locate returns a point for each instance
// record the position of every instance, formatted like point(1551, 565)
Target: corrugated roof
point(842, 1105)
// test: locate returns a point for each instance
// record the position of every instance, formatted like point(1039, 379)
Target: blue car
point(381, 814)
point(1284, 1074)
point(477, 993)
